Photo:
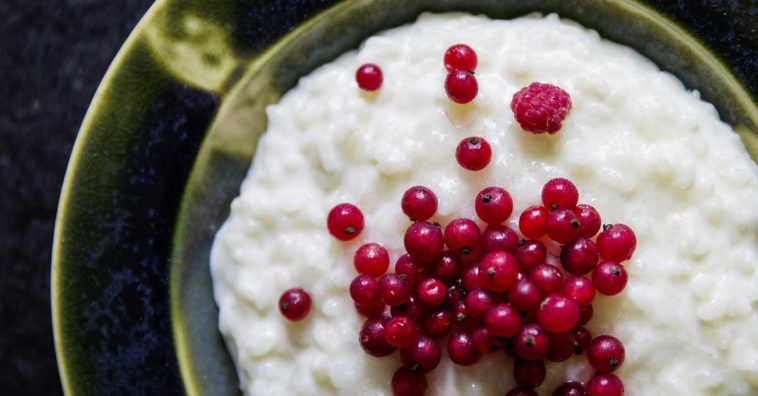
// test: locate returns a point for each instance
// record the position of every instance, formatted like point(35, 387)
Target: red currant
point(477, 303)
point(499, 237)
point(498, 271)
point(581, 338)
point(579, 256)
point(606, 353)
point(524, 295)
point(470, 277)
point(609, 278)
point(562, 225)
point(431, 292)
point(372, 337)
point(460, 57)
point(438, 323)
point(413, 270)
point(585, 315)
point(570, 388)
point(604, 385)
point(460, 348)
point(371, 259)
point(502, 321)
point(473, 153)
point(363, 290)
point(345, 221)
point(419, 203)
point(400, 331)
point(616, 242)
point(407, 382)
point(493, 205)
point(529, 373)
point(412, 309)
point(589, 220)
point(369, 77)
point(422, 356)
point(423, 241)
point(462, 236)
point(447, 267)
point(393, 289)
point(461, 86)
point(579, 289)
point(560, 347)
point(531, 342)
point(547, 278)
point(532, 222)
point(560, 193)
point(558, 314)
point(294, 304)
point(531, 254)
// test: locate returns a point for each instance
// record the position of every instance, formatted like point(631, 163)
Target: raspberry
point(540, 107)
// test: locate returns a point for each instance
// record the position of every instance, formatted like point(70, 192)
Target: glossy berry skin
point(462, 321)
point(529, 373)
point(406, 382)
point(606, 353)
point(419, 203)
point(540, 108)
point(604, 385)
point(531, 342)
point(422, 356)
point(478, 302)
point(571, 388)
point(431, 292)
point(530, 254)
point(392, 289)
point(498, 271)
point(400, 331)
point(363, 290)
point(413, 270)
point(499, 237)
point(483, 341)
point(532, 222)
point(585, 314)
point(525, 295)
point(579, 289)
point(473, 153)
point(460, 348)
point(547, 278)
point(616, 242)
point(447, 267)
point(470, 277)
point(294, 304)
point(371, 259)
point(460, 57)
point(559, 193)
point(455, 293)
point(562, 225)
point(502, 321)
point(493, 205)
point(438, 323)
point(370, 310)
point(589, 220)
point(581, 338)
point(560, 346)
point(345, 221)
point(423, 241)
point(412, 309)
point(521, 392)
point(462, 236)
point(372, 337)
point(369, 77)
point(609, 278)
point(461, 86)
point(579, 256)
point(558, 314)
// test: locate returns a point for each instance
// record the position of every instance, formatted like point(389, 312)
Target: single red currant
point(422, 356)
point(345, 221)
point(294, 304)
point(470, 278)
point(559, 193)
point(400, 331)
point(579, 289)
point(493, 205)
point(547, 278)
point(558, 314)
point(579, 256)
point(406, 382)
point(616, 242)
point(461, 318)
point(371, 259)
point(460, 57)
point(455, 293)
point(393, 289)
point(423, 241)
point(438, 323)
point(412, 309)
point(532, 222)
point(609, 278)
point(562, 225)
point(604, 385)
point(461, 86)
point(531, 342)
point(606, 353)
point(502, 321)
point(589, 220)
point(498, 271)
point(473, 153)
point(372, 337)
point(541, 108)
point(581, 338)
point(530, 254)
point(585, 315)
point(369, 77)
point(499, 237)
point(477, 302)
point(462, 236)
point(525, 295)
point(419, 203)
point(560, 347)
point(483, 341)
point(529, 373)
point(363, 290)
point(413, 270)
point(431, 292)
point(370, 310)
point(570, 388)
point(460, 348)
point(447, 267)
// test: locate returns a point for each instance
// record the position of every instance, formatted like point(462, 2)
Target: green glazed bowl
point(170, 135)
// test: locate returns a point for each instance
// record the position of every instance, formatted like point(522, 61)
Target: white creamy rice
point(641, 148)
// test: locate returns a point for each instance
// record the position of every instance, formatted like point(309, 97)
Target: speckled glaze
point(133, 310)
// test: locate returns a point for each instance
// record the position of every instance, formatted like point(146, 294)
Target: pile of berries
point(479, 291)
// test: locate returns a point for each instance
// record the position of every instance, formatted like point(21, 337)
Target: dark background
point(53, 54)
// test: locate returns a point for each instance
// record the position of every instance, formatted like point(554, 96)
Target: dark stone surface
point(53, 55)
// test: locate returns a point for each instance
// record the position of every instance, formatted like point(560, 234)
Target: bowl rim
point(634, 7)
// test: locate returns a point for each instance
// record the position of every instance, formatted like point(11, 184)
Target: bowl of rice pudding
point(657, 135)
